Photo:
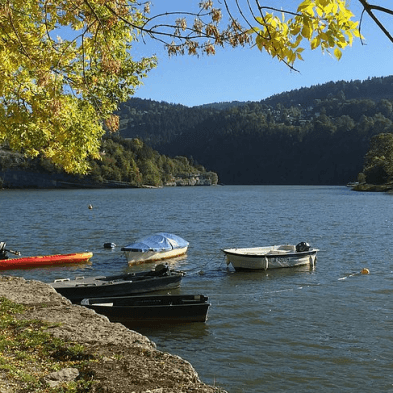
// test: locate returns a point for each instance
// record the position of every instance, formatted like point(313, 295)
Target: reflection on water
point(301, 330)
point(173, 264)
point(181, 332)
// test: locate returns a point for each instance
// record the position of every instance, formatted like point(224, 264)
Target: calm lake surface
point(295, 330)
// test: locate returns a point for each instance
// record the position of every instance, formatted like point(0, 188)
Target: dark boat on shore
point(161, 278)
point(151, 310)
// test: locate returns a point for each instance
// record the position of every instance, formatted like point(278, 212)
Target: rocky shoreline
point(388, 187)
point(130, 361)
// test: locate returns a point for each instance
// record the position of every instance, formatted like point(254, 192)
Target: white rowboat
point(271, 257)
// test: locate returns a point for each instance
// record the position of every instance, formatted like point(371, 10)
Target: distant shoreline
point(21, 179)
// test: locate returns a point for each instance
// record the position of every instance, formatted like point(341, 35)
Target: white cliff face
point(204, 179)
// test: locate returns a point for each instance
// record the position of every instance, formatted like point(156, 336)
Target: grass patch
point(28, 353)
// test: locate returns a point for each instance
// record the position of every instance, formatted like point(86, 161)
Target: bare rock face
point(131, 362)
point(56, 378)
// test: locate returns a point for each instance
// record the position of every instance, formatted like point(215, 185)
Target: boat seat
point(61, 279)
point(287, 247)
point(278, 252)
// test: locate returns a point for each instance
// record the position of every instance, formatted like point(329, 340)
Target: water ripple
point(301, 330)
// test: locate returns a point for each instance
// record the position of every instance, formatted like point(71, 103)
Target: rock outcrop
point(130, 361)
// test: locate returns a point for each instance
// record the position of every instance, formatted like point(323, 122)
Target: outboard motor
point(3, 251)
point(302, 247)
point(161, 269)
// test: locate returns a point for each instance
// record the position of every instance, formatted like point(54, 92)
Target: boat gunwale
point(45, 260)
point(270, 255)
point(82, 255)
point(144, 306)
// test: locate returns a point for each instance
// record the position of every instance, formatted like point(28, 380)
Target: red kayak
point(48, 260)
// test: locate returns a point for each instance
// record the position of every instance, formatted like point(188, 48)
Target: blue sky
point(246, 74)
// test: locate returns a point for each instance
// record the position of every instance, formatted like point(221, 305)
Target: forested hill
point(373, 88)
point(316, 135)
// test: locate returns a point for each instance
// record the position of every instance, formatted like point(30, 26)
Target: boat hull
point(48, 260)
point(151, 310)
point(263, 258)
point(155, 247)
point(136, 257)
point(114, 286)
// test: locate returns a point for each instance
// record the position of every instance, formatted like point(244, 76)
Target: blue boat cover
point(157, 242)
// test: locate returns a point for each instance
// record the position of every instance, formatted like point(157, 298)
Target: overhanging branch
point(369, 8)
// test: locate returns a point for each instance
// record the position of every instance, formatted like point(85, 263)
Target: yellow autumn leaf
point(337, 53)
point(306, 32)
point(315, 43)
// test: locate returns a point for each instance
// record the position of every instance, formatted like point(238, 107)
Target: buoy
point(90, 207)
point(365, 271)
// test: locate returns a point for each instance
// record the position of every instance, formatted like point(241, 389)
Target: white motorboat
point(271, 257)
point(154, 248)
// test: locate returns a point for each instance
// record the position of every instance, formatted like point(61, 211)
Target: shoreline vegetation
point(123, 164)
point(50, 345)
point(364, 187)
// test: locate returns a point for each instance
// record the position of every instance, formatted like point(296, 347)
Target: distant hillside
point(373, 88)
point(316, 135)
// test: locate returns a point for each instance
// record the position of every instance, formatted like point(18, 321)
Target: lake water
point(291, 330)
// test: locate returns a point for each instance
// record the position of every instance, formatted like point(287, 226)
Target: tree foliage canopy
point(66, 65)
point(378, 165)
